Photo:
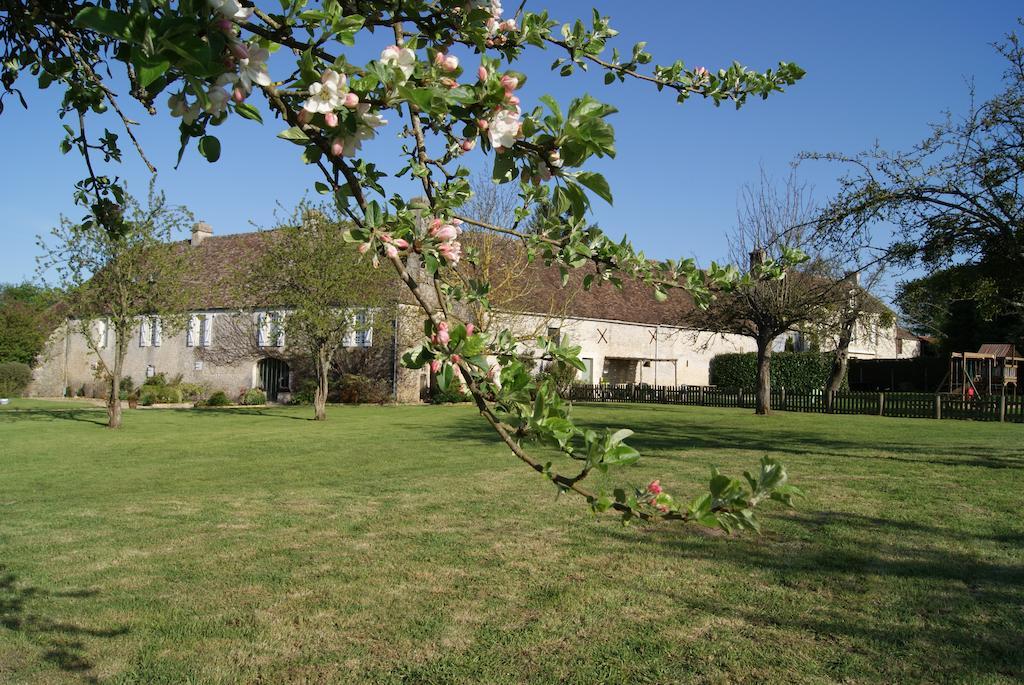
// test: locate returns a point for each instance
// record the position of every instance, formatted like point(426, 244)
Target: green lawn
point(402, 544)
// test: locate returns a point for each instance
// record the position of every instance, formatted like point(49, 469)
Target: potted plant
point(133, 400)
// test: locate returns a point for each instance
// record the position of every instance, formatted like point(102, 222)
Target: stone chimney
point(757, 258)
point(200, 232)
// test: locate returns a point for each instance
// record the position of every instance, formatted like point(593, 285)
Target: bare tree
point(772, 220)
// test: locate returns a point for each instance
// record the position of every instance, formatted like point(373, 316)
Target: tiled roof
point(217, 266)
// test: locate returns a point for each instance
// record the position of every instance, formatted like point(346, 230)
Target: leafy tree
point(955, 198)
point(116, 273)
point(329, 293)
point(211, 57)
point(27, 318)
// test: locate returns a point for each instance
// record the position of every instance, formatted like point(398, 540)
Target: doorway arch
point(273, 374)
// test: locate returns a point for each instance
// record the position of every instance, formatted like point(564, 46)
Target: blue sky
point(876, 71)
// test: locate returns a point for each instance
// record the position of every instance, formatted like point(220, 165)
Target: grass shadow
point(97, 415)
point(60, 642)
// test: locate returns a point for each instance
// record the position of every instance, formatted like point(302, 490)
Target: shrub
point(305, 392)
point(450, 396)
point(218, 399)
point(14, 378)
point(798, 372)
point(127, 385)
point(191, 392)
point(564, 375)
point(147, 399)
point(356, 389)
point(254, 397)
point(157, 380)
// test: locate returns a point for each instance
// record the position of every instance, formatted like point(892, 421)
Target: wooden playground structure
point(992, 370)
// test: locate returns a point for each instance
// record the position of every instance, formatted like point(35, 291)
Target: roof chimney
point(200, 232)
point(757, 258)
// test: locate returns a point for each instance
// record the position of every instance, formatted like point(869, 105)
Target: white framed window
point(150, 371)
point(270, 329)
point(360, 333)
point(200, 330)
point(101, 333)
point(150, 332)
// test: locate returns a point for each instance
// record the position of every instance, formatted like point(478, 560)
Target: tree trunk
point(322, 363)
point(840, 360)
point(764, 376)
point(114, 396)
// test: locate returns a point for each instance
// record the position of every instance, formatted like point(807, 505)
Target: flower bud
point(225, 25)
point(481, 72)
point(509, 25)
point(238, 94)
point(468, 145)
point(442, 333)
point(239, 51)
point(400, 243)
point(331, 119)
point(439, 59)
point(351, 100)
point(363, 248)
point(654, 487)
point(451, 63)
point(456, 359)
point(482, 124)
point(470, 328)
point(337, 147)
point(509, 83)
point(390, 250)
point(513, 100)
point(435, 365)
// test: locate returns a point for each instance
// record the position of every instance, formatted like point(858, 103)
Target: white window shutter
point(100, 333)
point(349, 339)
point(262, 329)
point(145, 332)
point(192, 335)
point(158, 332)
point(366, 323)
point(279, 329)
point(207, 330)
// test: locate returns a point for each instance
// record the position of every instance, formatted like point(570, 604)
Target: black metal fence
point(899, 404)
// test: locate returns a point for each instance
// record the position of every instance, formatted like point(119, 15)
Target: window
point(101, 333)
point(270, 329)
point(360, 333)
point(150, 332)
point(150, 371)
point(899, 345)
point(200, 330)
point(555, 335)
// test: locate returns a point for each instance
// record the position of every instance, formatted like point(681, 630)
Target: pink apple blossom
point(351, 100)
point(391, 251)
point(400, 243)
point(363, 248)
point(338, 147)
point(331, 119)
point(442, 333)
point(456, 359)
point(470, 328)
point(468, 145)
point(481, 72)
point(509, 83)
point(435, 365)
point(654, 487)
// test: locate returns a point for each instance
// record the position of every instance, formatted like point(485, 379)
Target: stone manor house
point(232, 344)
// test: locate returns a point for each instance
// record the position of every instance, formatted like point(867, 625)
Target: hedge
point(798, 372)
point(14, 378)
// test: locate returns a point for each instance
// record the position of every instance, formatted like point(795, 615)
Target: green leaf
point(596, 183)
point(504, 168)
point(294, 134)
point(247, 111)
point(103, 21)
point(149, 69)
point(209, 147)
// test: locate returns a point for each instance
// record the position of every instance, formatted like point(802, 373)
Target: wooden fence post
point(938, 406)
point(881, 404)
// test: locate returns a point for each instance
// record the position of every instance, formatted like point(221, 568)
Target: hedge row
point(799, 372)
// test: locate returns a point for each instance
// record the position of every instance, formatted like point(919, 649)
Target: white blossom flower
point(366, 129)
point(403, 58)
point(254, 69)
point(504, 128)
point(232, 9)
point(218, 96)
point(327, 94)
